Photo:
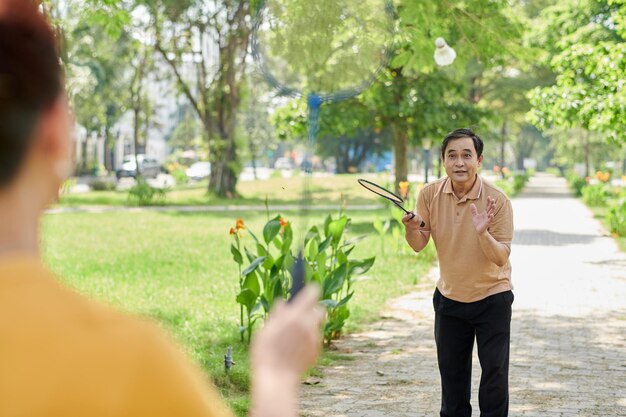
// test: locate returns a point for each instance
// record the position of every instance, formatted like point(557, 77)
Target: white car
point(199, 170)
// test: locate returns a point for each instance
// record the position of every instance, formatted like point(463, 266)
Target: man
point(67, 356)
point(471, 223)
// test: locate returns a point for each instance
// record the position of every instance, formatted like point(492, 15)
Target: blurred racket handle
point(297, 276)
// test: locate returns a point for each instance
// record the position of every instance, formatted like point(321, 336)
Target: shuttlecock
point(444, 55)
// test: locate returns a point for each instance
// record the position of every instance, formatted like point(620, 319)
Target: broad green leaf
point(252, 283)
point(268, 262)
point(278, 290)
point(345, 300)
point(361, 267)
point(311, 234)
point(325, 244)
point(354, 240)
point(287, 238)
point(253, 265)
point(312, 249)
point(271, 229)
point(329, 303)
point(334, 281)
point(236, 254)
point(327, 221)
point(247, 298)
point(336, 228)
point(251, 256)
point(321, 263)
point(342, 258)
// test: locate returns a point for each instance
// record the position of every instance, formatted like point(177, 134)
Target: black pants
point(456, 325)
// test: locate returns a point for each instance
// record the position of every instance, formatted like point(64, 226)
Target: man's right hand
point(412, 221)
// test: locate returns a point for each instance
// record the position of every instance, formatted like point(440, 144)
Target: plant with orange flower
point(267, 277)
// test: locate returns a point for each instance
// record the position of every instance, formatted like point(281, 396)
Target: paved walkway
point(568, 349)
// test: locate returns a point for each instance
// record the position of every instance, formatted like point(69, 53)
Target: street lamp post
point(426, 144)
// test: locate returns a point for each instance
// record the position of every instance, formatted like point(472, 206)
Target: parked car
point(148, 166)
point(199, 171)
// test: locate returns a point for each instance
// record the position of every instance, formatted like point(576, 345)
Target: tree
point(587, 55)
point(481, 31)
point(348, 132)
point(205, 45)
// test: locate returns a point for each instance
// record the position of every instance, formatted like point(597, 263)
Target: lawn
point(176, 268)
point(325, 190)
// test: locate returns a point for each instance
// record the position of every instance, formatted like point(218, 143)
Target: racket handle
point(297, 276)
point(422, 224)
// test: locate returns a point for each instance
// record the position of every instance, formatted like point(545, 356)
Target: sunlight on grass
point(177, 268)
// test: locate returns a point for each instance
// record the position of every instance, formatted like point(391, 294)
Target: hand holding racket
point(409, 217)
point(413, 221)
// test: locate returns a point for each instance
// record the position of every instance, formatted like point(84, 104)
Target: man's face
point(460, 160)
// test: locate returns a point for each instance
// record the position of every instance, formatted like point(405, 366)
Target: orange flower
point(505, 171)
point(283, 222)
point(404, 188)
point(232, 231)
point(240, 224)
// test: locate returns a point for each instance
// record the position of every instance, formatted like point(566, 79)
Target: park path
point(568, 341)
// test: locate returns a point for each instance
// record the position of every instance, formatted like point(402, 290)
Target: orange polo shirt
point(466, 274)
point(62, 355)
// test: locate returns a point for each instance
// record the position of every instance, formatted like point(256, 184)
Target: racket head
point(333, 48)
point(381, 191)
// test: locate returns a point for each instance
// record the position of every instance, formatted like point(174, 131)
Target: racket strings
point(383, 192)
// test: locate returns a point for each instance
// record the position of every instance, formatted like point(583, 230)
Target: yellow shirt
point(466, 274)
point(64, 355)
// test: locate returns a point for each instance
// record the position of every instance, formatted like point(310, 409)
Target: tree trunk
point(223, 179)
point(502, 147)
point(400, 147)
point(136, 128)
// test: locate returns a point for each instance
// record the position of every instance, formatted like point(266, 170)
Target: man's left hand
point(483, 220)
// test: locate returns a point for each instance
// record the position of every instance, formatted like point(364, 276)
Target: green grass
point(177, 268)
point(326, 190)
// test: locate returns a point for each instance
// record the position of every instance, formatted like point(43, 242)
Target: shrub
point(576, 183)
point(143, 194)
point(101, 184)
point(595, 195)
point(616, 218)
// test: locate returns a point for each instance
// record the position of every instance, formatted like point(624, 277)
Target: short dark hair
point(30, 79)
point(462, 133)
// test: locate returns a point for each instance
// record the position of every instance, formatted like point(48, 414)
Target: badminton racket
point(383, 192)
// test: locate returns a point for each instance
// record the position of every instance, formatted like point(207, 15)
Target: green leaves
point(253, 265)
point(271, 229)
point(237, 257)
point(327, 261)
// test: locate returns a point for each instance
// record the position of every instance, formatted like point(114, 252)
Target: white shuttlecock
point(444, 55)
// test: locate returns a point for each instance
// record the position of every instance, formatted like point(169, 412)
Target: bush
point(506, 186)
point(143, 194)
point(595, 195)
point(179, 176)
point(616, 217)
point(101, 184)
point(576, 183)
point(519, 181)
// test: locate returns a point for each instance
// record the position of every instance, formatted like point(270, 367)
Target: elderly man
point(471, 223)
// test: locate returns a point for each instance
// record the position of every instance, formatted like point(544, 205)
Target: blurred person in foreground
point(62, 354)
